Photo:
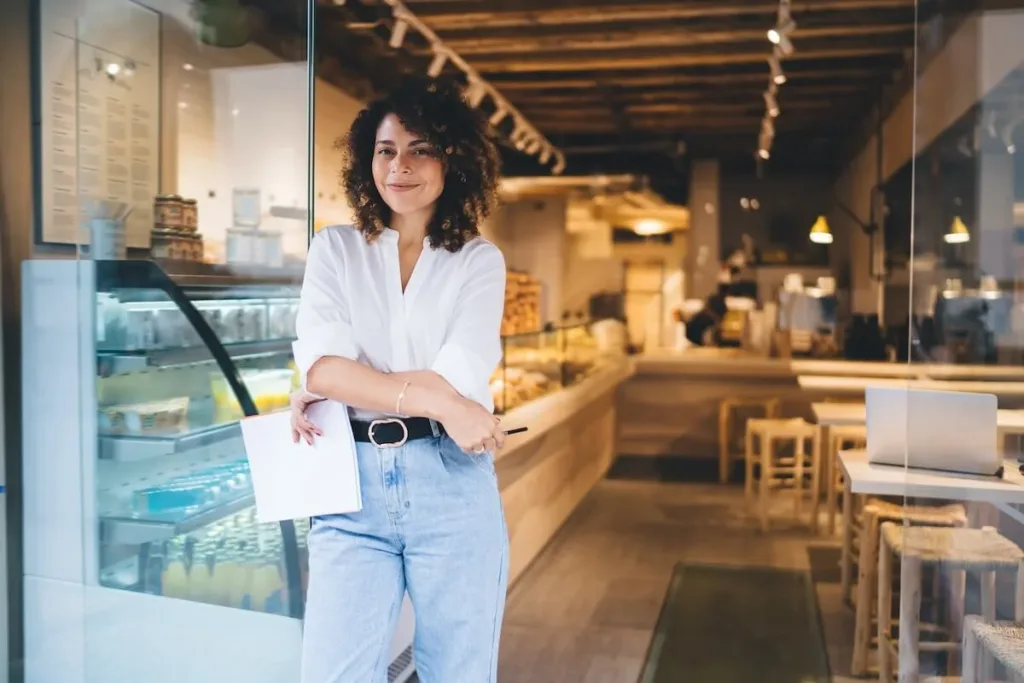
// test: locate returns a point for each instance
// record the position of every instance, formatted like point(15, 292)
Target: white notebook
point(297, 480)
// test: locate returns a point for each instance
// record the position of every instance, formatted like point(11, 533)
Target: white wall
point(239, 117)
point(532, 235)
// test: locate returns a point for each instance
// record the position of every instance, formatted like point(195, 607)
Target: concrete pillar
point(702, 254)
point(994, 227)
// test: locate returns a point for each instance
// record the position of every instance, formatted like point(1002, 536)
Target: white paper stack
point(298, 480)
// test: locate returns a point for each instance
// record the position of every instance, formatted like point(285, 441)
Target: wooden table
point(857, 385)
point(834, 414)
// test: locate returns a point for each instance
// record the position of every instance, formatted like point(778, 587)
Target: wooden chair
point(875, 512)
point(983, 551)
point(840, 438)
point(988, 641)
point(776, 471)
point(771, 408)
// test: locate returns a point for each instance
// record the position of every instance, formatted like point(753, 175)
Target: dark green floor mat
point(737, 625)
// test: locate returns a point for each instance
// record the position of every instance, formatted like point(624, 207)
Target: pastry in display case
point(537, 364)
point(522, 304)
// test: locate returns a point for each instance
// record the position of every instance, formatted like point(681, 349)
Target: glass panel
point(531, 368)
point(173, 492)
point(951, 545)
point(175, 132)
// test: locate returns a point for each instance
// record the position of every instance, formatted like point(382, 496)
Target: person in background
point(399, 319)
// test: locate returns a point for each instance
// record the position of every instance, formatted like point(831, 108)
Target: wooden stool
point(1002, 641)
point(773, 470)
point(725, 419)
point(875, 512)
point(978, 550)
point(840, 438)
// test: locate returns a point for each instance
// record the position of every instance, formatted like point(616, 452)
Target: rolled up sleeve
point(472, 346)
point(323, 324)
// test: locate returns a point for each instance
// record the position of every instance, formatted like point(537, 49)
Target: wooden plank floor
point(585, 611)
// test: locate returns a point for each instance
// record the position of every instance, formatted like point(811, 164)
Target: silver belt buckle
point(383, 421)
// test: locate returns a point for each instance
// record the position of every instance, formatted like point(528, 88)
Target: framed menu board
point(99, 110)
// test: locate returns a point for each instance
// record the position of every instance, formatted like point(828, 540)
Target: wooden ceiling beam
point(569, 82)
point(667, 59)
point(745, 93)
point(743, 23)
point(638, 112)
point(478, 47)
point(453, 14)
point(682, 126)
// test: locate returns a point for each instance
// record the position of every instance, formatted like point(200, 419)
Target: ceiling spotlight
point(764, 145)
point(437, 64)
point(497, 116)
point(476, 93)
point(778, 77)
point(779, 33)
point(771, 104)
point(559, 164)
point(398, 33)
point(783, 48)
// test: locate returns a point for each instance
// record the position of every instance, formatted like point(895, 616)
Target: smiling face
point(407, 169)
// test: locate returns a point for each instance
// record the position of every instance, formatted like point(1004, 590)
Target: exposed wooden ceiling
point(645, 85)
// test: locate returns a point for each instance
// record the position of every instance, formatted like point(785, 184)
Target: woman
point(399, 319)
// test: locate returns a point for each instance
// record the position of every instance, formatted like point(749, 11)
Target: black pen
point(517, 430)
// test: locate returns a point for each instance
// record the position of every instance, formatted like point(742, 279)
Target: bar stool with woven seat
point(874, 513)
point(776, 471)
point(983, 551)
point(840, 438)
point(1002, 641)
point(770, 406)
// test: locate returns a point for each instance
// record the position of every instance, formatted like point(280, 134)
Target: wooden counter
point(670, 405)
point(545, 473)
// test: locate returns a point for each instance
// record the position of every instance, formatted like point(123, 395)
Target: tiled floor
point(585, 611)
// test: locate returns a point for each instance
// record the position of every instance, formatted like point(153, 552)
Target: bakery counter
point(670, 406)
point(545, 472)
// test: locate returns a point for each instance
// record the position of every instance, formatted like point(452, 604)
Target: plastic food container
point(270, 391)
point(155, 417)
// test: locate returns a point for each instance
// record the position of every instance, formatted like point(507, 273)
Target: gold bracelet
point(401, 395)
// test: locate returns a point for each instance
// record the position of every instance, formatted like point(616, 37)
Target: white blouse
point(448, 319)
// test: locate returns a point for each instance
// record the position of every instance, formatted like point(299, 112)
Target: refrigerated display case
point(140, 494)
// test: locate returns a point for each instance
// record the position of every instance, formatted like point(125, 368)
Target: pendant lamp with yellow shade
point(958, 233)
point(820, 232)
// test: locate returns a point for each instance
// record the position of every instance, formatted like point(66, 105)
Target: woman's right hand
point(472, 427)
point(301, 427)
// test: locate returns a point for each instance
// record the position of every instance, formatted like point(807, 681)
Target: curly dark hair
point(465, 144)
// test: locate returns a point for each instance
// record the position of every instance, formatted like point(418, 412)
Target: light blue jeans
point(432, 524)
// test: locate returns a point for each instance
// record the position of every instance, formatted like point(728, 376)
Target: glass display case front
point(177, 368)
point(539, 363)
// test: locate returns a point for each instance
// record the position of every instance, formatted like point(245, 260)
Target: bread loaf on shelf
point(522, 304)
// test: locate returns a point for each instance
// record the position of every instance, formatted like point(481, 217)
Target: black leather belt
point(392, 432)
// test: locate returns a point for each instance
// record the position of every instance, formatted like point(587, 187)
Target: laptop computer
point(937, 430)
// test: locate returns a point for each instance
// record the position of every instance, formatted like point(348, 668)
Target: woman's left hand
point(301, 427)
